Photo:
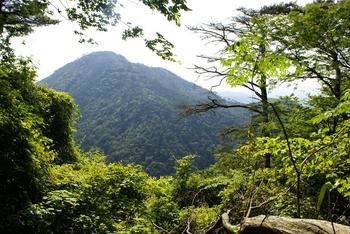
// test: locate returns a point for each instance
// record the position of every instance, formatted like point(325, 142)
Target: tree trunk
point(2, 17)
point(265, 113)
point(336, 88)
point(279, 225)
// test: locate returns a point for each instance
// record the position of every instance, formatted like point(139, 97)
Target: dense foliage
point(131, 112)
point(36, 132)
point(49, 186)
point(21, 17)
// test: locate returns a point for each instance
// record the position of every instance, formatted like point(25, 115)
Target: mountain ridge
point(129, 111)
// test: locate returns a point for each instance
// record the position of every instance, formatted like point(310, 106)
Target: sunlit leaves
point(95, 14)
point(343, 108)
point(322, 194)
point(53, 188)
point(27, 131)
point(19, 18)
point(253, 57)
point(343, 186)
point(162, 47)
point(170, 9)
point(132, 33)
point(204, 217)
point(92, 196)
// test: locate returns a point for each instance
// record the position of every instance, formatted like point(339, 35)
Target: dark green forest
point(290, 172)
point(132, 113)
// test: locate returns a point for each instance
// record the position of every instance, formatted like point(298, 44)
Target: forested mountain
point(290, 172)
point(131, 112)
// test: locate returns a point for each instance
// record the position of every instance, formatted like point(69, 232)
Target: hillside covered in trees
point(289, 174)
point(133, 112)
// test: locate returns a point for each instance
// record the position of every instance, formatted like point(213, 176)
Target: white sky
point(54, 46)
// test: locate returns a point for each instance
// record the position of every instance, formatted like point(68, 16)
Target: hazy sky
point(54, 46)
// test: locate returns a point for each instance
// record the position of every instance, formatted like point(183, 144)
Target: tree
point(248, 59)
point(35, 132)
point(285, 45)
point(317, 37)
point(36, 123)
point(20, 17)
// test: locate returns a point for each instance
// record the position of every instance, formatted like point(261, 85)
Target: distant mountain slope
point(130, 112)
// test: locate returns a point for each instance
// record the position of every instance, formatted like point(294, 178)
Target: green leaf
point(133, 32)
point(327, 186)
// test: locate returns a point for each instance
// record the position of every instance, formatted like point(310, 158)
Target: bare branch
point(213, 71)
point(226, 222)
point(189, 226)
point(251, 200)
point(209, 59)
point(217, 85)
point(211, 105)
point(160, 228)
point(216, 32)
point(318, 75)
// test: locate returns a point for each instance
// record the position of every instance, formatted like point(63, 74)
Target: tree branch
point(226, 222)
point(290, 155)
point(160, 228)
point(213, 104)
point(321, 148)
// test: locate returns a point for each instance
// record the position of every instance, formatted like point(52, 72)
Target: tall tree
point(35, 132)
point(247, 59)
point(318, 38)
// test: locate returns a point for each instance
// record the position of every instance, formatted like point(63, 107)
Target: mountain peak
point(129, 111)
point(104, 56)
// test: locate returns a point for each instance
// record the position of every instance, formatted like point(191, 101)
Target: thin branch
point(251, 200)
point(226, 222)
point(323, 147)
point(321, 77)
point(252, 88)
point(290, 155)
point(59, 11)
point(213, 104)
point(215, 32)
point(264, 203)
point(217, 85)
point(347, 64)
point(210, 59)
point(209, 70)
point(160, 228)
point(189, 225)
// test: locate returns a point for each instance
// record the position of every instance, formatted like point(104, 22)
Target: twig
point(160, 228)
point(290, 155)
point(189, 225)
point(251, 200)
point(323, 147)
